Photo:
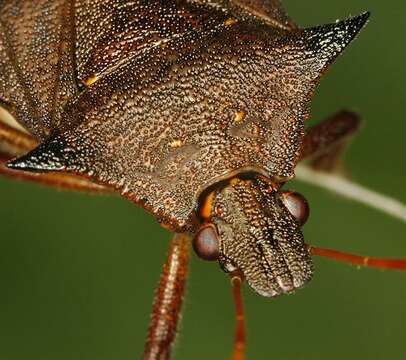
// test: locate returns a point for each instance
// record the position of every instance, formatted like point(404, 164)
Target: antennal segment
point(382, 263)
point(240, 333)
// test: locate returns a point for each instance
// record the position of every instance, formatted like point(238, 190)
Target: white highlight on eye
point(353, 191)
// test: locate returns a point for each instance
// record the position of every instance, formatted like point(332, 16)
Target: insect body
point(193, 109)
point(162, 112)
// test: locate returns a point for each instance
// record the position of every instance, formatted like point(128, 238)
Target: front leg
point(168, 300)
point(324, 143)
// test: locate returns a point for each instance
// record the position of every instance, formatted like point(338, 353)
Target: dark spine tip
point(46, 157)
point(364, 16)
point(18, 164)
point(328, 41)
point(353, 26)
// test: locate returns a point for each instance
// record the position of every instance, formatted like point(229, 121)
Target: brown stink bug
point(194, 110)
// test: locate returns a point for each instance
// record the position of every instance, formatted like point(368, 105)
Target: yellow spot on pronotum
point(230, 21)
point(90, 80)
point(366, 260)
point(205, 211)
point(234, 181)
point(240, 116)
point(176, 143)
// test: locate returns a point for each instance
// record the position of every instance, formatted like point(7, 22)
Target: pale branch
point(353, 191)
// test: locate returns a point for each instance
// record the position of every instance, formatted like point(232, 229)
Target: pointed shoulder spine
point(326, 42)
point(53, 155)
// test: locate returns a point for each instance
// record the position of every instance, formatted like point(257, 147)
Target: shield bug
point(194, 110)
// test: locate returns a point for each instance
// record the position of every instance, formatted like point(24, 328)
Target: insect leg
point(382, 263)
point(15, 143)
point(168, 300)
point(240, 334)
point(324, 143)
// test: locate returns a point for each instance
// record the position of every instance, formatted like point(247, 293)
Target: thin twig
point(353, 191)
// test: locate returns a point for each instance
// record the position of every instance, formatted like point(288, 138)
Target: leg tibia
point(168, 300)
point(324, 143)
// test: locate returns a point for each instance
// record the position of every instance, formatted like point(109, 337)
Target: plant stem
point(353, 191)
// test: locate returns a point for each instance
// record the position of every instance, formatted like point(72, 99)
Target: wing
point(110, 32)
point(36, 61)
point(270, 10)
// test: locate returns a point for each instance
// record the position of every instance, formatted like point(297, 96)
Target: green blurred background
point(77, 272)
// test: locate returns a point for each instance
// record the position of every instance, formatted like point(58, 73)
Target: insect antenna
point(381, 263)
point(240, 333)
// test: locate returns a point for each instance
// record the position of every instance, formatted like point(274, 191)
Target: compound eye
point(206, 243)
point(297, 205)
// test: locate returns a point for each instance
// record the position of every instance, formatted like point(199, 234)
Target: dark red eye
point(219, 210)
point(297, 205)
point(206, 243)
